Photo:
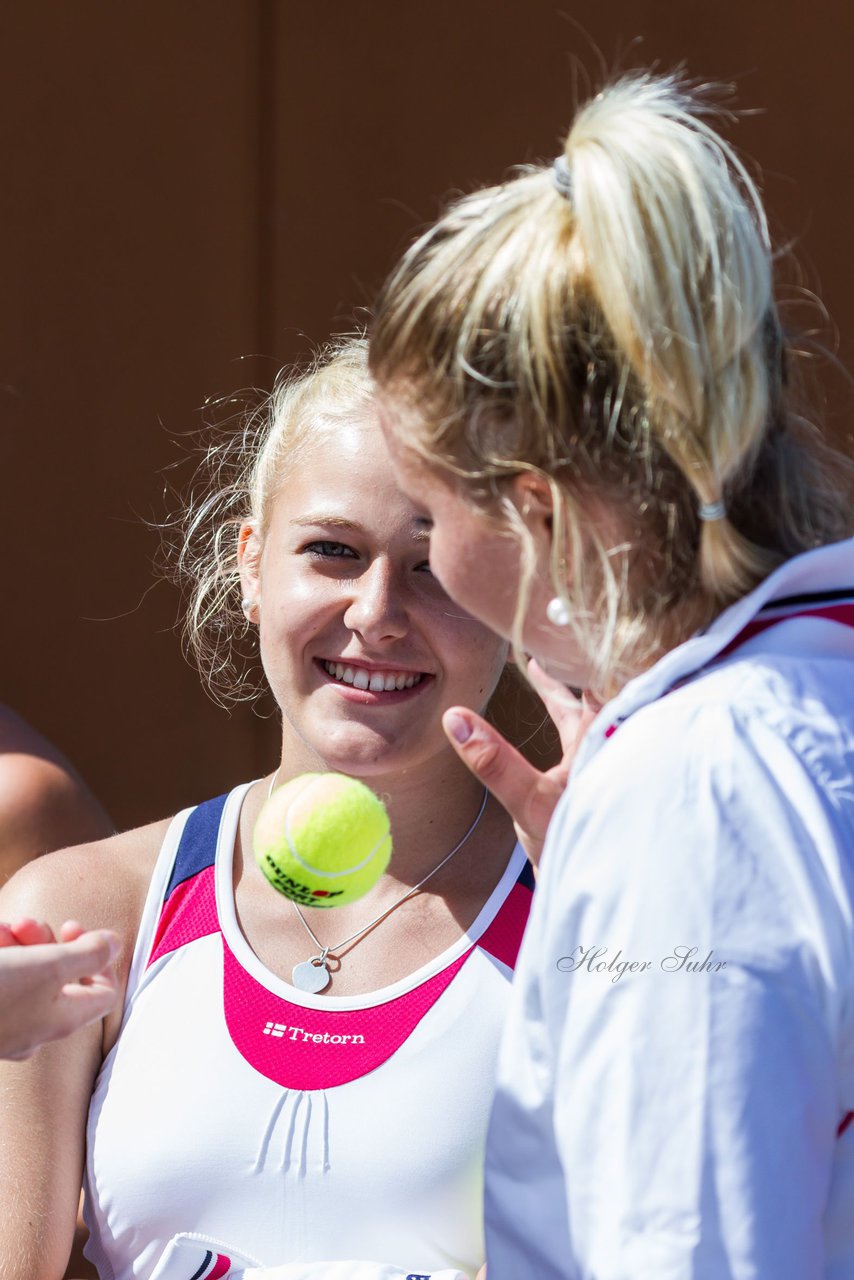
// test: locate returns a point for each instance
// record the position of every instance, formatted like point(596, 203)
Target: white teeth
point(376, 681)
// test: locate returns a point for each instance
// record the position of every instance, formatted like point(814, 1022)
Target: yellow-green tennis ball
point(323, 839)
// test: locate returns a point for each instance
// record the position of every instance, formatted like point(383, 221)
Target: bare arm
point(46, 1099)
point(49, 989)
point(43, 1125)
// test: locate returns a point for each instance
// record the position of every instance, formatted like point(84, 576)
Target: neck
point(429, 816)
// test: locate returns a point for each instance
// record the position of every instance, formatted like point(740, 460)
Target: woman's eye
point(329, 550)
point(424, 567)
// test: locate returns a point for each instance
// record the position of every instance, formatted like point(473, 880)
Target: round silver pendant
point(310, 977)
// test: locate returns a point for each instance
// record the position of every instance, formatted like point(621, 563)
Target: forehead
point(344, 470)
point(414, 474)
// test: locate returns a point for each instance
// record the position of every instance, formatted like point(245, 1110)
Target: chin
point(364, 755)
point(566, 672)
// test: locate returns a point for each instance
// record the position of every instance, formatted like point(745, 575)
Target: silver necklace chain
point(313, 974)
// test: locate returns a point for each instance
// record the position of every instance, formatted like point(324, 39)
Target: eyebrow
point(323, 520)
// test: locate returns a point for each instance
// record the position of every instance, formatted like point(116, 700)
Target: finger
point(493, 760)
point(572, 715)
point(70, 931)
point(7, 937)
point(590, 709)
point(550, 688)
point(32, 933)
point(592, 705)
point(82, 1003)
point(87, 955)
point(562, 704)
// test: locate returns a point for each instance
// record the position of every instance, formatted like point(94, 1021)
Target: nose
point(377, 610)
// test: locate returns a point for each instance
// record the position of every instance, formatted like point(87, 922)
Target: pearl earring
point(557, 612)
point(247, 603)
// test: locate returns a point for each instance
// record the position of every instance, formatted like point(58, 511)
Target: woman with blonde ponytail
point(589, 396)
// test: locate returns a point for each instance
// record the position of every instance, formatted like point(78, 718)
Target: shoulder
point(655, 761)
point(750, 722)
point(44, 804)
point(703, 810)
point(102, 884)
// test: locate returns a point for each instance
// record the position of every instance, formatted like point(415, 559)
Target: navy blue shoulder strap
point(197, 846)
point(526, 877)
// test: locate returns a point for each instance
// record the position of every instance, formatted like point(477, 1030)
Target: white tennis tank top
point(293, 1127)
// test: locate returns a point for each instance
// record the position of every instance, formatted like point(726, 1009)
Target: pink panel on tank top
point(503, 938)
point(189, 913)
point(301, 1048)
point(306, 1048)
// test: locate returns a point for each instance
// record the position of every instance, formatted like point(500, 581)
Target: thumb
point(88, 955)
point(492, 759)
point(85, 1002)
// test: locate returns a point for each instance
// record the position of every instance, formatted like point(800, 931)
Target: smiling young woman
point(325, 1133)
point(339, 577)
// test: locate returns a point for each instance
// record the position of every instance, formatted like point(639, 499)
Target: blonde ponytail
point(611, 324)
point(679, 262)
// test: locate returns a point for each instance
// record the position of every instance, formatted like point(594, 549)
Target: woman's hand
point(27, 932)
point(49, 988)
point(528, 795)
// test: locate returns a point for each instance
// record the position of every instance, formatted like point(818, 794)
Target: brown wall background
point(194, 189)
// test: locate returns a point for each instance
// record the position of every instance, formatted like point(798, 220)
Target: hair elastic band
point(709, 511)
point(562, 177)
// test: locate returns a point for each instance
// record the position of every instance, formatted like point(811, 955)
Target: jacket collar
point(819, 583)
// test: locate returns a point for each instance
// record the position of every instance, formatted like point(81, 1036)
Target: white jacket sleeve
point(691, 968)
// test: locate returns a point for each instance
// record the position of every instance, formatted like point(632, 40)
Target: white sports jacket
point(677, 1073)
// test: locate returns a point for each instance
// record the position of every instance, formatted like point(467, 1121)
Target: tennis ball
point(322, 839)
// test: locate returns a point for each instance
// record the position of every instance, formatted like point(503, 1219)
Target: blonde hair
point(237, 482)
point(620, 338)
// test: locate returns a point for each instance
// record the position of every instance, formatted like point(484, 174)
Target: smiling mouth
point(376, 681)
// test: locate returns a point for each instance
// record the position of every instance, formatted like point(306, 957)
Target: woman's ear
point(532, 497)
point(249, 563)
